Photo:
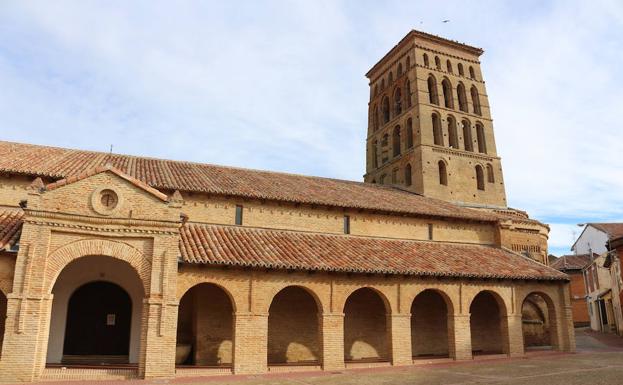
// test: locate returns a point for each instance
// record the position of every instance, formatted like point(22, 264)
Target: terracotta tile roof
point(614, 230)
point(571, 262)
point(57, 163)
point(281, 249)
point(10, 228)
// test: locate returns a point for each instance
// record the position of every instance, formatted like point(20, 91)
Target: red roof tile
point(57, 163)
point(10, 228)
point(571, 262)
point(281, 249)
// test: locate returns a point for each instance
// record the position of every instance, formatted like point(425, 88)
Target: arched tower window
point(467, 136)
point(480, 137)
point(437, 63)
point(408, 62)
point(476, 101)
point(461, 72)
point(453, 139)
point(409, 133)
point(480, 178)
point(433, 95)
point(437, 134)
point(399, 71)
point(443, 173)
point(382, 84)
point(375, 118)
point(397, 102)
point(426, 63)
point(390, 78)
point(408, 93)
point(375, 154)
point(460, 90)
point(396, 140)
point(449, 66)
point(490, 176)
point(472, 74)
point(385, 109)
point(408, 175)
point(447, 93)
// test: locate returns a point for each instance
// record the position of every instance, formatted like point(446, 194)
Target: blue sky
point(280, 85)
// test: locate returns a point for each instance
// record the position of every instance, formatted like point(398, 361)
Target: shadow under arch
point(102, 274)
point(539, 322)
point(431, 330)
point(294, 327)
point(366, 333)
point(488, 323)
point(3, 313)
point(205, 326)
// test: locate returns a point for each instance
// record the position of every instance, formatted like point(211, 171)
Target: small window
point(472, 73)
point(449, 66)
point(443, 173)
point(461, 72)
point(239, 215)
point(408, 62)
point(438, 63)
point(347, 223)
point(390, 78)
point(490, 176)
point(430, 231)
point(426, 63)
point(408, 175)
point(399, 70)
point(480, 178)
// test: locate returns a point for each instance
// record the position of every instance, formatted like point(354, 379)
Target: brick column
point(332, 332)
point(250, 343)
point(399, 328)
point(512, 333)
point(25, 338)
point(158, 339)
point(460, 337)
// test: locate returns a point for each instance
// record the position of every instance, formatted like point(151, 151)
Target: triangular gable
point(108, 168)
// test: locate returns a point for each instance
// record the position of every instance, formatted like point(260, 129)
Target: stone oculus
point(115, 266)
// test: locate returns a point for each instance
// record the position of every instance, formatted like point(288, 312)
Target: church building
point(116, 266)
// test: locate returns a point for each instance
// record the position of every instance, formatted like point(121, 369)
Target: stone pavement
point(599, 361)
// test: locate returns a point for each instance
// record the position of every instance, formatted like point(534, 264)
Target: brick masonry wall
point(429, 325)
point(365, 327)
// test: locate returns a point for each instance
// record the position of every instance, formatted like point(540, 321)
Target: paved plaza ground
point(599, 361)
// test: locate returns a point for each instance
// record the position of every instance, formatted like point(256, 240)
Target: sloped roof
point(571, 262)
point(613, 230)
point(10, 227)
point(283, 249)
point(59, 163)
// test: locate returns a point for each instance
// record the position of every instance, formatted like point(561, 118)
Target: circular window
point(109, 199)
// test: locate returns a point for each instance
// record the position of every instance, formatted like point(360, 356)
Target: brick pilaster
point(250, 343)
point(400, 337)
point(512, 333)
point(332, 331)
point(460, 337)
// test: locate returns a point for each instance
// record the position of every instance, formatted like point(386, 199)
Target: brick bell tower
point(429, 127)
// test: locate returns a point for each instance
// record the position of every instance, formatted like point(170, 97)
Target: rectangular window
point(430, 231)
point(346, 224)
point(239, 215)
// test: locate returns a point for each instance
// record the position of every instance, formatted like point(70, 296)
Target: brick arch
point(450, 303)
point(554, 312)
point(499, 298)
point(389, 308)
point(191, 285)
point(6, 287)
point(60, 258)
point(272, 293)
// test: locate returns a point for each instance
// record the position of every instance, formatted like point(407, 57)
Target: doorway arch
point(538, 321)
point(99, 316)
point(429, 324)
point(81, 286)
point(366, 336)
point(488, 324)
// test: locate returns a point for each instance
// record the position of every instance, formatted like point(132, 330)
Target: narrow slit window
point(430, 231)
point(346, 224)
point(239, 215)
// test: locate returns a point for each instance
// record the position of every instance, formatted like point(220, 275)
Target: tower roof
point(415, 34)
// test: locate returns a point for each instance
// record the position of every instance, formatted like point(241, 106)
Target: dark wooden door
point(98, 321)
